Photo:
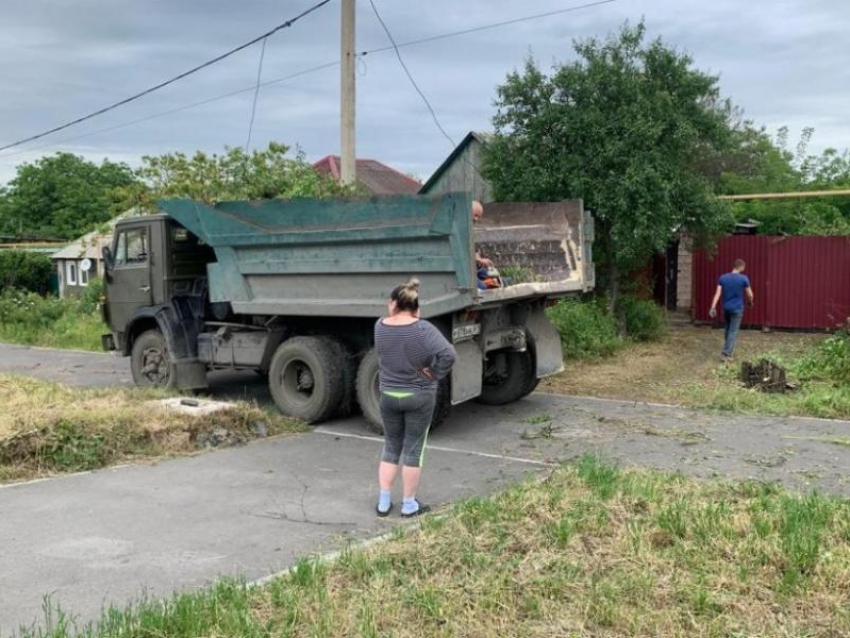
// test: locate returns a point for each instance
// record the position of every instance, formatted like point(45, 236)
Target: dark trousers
point(406, 422)
point(733, 324)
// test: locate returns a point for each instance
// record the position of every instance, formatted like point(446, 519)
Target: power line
point(256, 95)
point(310, 70)
point(177, 109)
point(410, 76)
point(423, 96)
point(176, 78)
point(494, 25)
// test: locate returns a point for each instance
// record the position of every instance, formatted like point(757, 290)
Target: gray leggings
point(406, 421)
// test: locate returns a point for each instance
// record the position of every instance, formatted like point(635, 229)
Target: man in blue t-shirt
point(733, 287)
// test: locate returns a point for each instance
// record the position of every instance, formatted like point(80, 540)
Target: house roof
point(478, 136)
point(89, 245)
point(374, 176)
point(48, 247)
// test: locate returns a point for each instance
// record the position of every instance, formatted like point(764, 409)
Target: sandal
point(423, 509)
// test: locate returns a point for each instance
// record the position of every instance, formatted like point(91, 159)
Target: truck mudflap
point(547, 342)
point(468, 372)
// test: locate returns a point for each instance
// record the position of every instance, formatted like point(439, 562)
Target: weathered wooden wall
point(462, 176)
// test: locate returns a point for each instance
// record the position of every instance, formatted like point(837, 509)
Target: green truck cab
point(292, 290)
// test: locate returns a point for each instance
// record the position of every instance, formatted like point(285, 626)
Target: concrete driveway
point(103, 538)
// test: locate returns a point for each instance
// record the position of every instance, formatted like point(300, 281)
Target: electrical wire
point(494, 25)
point(177, 109)
point(410, 76)
point(436, 119)
point(296, 75)
point(176, 78)
point(256, 95)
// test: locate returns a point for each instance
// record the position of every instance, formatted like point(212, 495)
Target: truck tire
point(368, 393)
point(150, 361)
point(531, 386)
point(305, 378)
point(532, 381)
point(369, 397)
point(348, 366)
point(516, 381)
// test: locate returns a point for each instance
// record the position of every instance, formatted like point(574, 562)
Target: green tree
point(235, 174)
point(620, 127)
point(762, 164)
point(60, 196)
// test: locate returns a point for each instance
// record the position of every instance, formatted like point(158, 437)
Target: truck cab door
point(129, 287)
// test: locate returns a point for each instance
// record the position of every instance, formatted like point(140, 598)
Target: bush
point(91, 297)
point(30, 319)
point(830, 362)
point(587, 330)
point(645, 320)
point(25, 271)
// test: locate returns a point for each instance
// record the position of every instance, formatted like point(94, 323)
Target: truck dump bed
point(341, 257)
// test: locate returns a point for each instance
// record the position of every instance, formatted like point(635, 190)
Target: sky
point(784, 62)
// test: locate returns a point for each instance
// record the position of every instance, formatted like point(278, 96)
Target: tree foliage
point(620, 128)
point(233, 175)
point(61, 196)
point(771, 167)
point(24, 270)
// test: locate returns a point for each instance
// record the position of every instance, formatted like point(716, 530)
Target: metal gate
point(798, 282)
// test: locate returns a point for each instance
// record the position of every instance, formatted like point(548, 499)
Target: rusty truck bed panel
point(541, 249)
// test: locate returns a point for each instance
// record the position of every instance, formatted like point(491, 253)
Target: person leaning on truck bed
point(413, 356)
point(733, 287)
point(477, 215)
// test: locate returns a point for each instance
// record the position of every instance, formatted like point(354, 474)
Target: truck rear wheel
point(348, 368)
point(532, 380)
point(305, 378)
point(151, 362)
point(508, 376)
point(369, 395)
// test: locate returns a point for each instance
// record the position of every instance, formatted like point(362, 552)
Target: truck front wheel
point(508, 376)
point(305, 378)
point(369, 395)
point(150, 361)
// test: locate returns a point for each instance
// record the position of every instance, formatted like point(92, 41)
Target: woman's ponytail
point(406, 296)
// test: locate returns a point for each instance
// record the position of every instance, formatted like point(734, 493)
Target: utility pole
point(348, 154)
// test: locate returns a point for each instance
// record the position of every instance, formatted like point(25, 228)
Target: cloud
point(782, 61)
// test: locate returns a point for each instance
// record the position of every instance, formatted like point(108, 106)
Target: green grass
point(592, 550)
point(29, 319)
point(821, 375)
point(48, 428)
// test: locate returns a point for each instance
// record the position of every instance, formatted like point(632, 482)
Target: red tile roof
point(377, 178)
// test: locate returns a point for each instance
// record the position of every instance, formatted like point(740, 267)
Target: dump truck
point(291, 289)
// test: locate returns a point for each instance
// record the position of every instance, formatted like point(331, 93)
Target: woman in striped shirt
point(413, 356)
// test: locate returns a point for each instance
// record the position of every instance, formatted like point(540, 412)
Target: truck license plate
point(459, 333)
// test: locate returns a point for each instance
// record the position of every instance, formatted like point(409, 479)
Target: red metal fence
point(798, 282)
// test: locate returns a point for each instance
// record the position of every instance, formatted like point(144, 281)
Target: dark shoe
point(383, 514)
point(423, 509)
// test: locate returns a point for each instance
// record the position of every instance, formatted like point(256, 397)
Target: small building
point(80, 261)
point(461, 170)
point(373, 176)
